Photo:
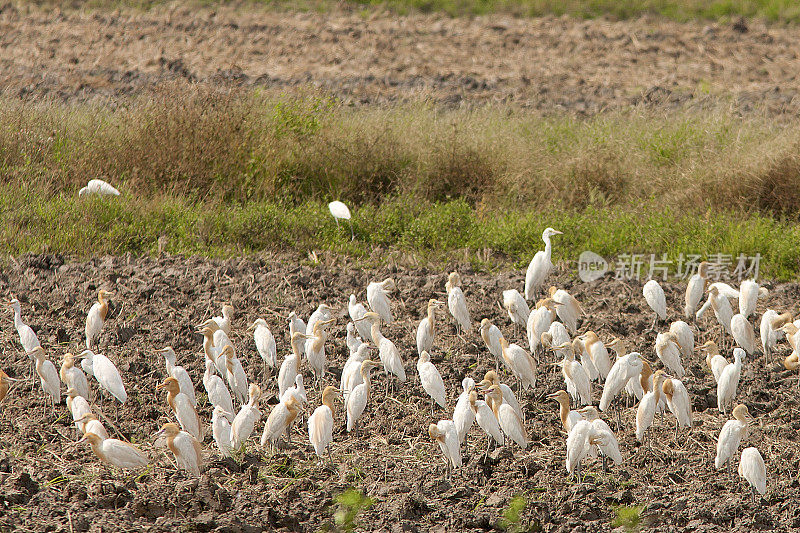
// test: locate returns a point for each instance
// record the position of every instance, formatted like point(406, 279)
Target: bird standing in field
point(97, 187)
point(378, 299)
point(356, 310)
point(743, 333)
point(340, 211)
point(669, 353)
point(211, 351)
point(221, 430)
point(184, 447)
point(445, 434)
point(491, 378)
point(265, 345)
point(279, 421)
point(579, 443)
point(296, 325)
point(235, 374)
point(463, 417)
point(648, 405)
point(576, 379)
point(351, 373)
point(179, 373)
point(426, 330)
point(491, 337)
point(715, 361)
point(517, 307)
point(387, 351)
point(216, 391)
point(116, 452)
point(48, 376)
point(510, 422)
point(729, 380)
point(224, 321)
point(457, 302)
point(723, 311)
point(539, 322)
point(678, 402)
point(605, 440)
point(105, 373)
point(96, 318)
point(431, 381)
point(655, 298)
point(290, 366)
point(246, 419)
point(598, 353)
point(352, 340)
point(770, 331)
point(520, 362)
point(486, 419)
point(540, 266)
point(568, 417)
point(182, 407)
point(624, 368)
point(315, 349)
point(753, 469)
point(731, 435)
point(683, 337)
point(323, 313)
point(320, 423)
point(78, 406)
point(568, 308)
point(92, 425)
point(27, 337)
point(749, 293)
point(359, 396)
point(72, 376)
point(695, 290)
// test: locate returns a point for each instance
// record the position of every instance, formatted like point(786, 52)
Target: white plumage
point(351, 372)
point(320, 423)
point(678, 401)
point(359, 396)
point(667, 350)
point(357, 312)
point(280, 420)
point(729, 380)
point(339, 210)
point(598, 353)
point(517, 307)
point(491, 336)
point(315, 349)
point(290, 366)
point(224, 322)
point(182, 408)
point(578, 444)
point(648, 405)
point(79, 407)
point(486, 418)
point(521, 363)
point(221, 430)
point(48, 376)
point(98, 187)
point(623, 369)
point(753, 469)
point(655, 298)
point(387, 351)
point(731, 435)
point(27, 337)
point(184, 447)
point(116, 452)
point(444, 432)
point(683, 337)
point(378, 299)
point(457, 302)
point(246, 419)
point(539, 321)
point(73, 377)
point(296, 325)
point(567, 308)
point(96, 317)
point(694, 290)
point(265, 343)
point(235, 374)
point(179, 373)
point(743, 333)
point(352, 339)
point(106, 374)
point(463, 417)
point(431, 380)
point(426, 330)
point(510, 422)
point(216, 391)
point(540, 266)
point(575, 377)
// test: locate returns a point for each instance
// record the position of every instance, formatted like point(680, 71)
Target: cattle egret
point(729, 380)
point(510, 421)
point(216, 391)
point(597, 352)
point(246, 419)
point(605, 439)
point(579, 349)
point(445, 434)
point(540, 266)
point(567, 308)
point(72, 376)
point(356, 310)
point(182, 408)
point(624, 368)
point(116, 452)
point(96, 318)
point(220, 338)
point(431, 380)
point(752, 468)
point(179, 373)
point(695, 290)
point(556, 334)
point(678, 402)
point(99, 188)
point(517, 307)
point(48, 376)
point(378, 299)
point(353, 340)
point(106, 374)
point(457, 302)
point(486, 419)
point(749, 293)
point(279, 421)
point(426, 330)
point(684, 337)
point(731, 435)
point(568, 417)
point(743, 333)
point(655, 298)
point(224, 321)
point(715, 361)
point(463, 417)
point(351, 372)
point(579, 443)
point(637, 386)
point(491, 378)
point(221, 430)
point(323, 313)
point(92, 425)
point(491, 337)
point(212, 351)
point(771, 322)
point(315, 349)
point(520, 362)
point(722, 308)
point(27, 337)
point(290, 366)
point(575, 377)
point(670, 354)
point(5, 384)
point(296, 325)
point(359, 396)
point(265, 345)
point(648, 404)
point(539, 322)
point(339, 210)
point(387, 351)
point(184, 447)
point(234, 372)
point(78, 406)
point(320, 423)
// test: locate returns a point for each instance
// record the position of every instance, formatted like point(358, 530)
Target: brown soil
point(550, 64)
point(49, 484)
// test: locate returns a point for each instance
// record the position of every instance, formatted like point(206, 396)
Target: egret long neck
point(548, 248)
point(18, 323)
point(377, 336)
point(432, 318)
point(563, 408)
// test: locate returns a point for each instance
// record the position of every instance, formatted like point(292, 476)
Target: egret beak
point(80, 441)
point(251, 326)
point(158, 433)
point(160, 386)
point(556, 232)
point(360, 319)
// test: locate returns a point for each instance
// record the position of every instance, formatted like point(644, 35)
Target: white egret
point(221, 430)
point(463, 417)
point(96, 318)
point(426, 331)
point(27, 337)
point(116, 452)
point(353, 340)
point(486, 419)
point(491, 378)
point(715, 361)
point(98, 187)
point(771, 322)
point(184, 447)
point(356, 310)
point(246, 419)
point(220, 338)
point(517, 307)
point(556, 334)
point(637, 386)
point(315, 349)
point(539, 322)
point(290, 366)
point(323, 313)
point(92, 425)
point(749, 293)
point(670, 354)
point(359, 396)
point(575, 377)
point(510, 421)
point(235, 374)
point(568, 417)
point(648, 404)
point(743, 333)
point(579, 443)
point(320, 423)
point(431, 380)
point(445, 434)
point(182, 407)
point(722, 308)
point(605, 440)
point(179, 373)
point(265, 344)
point(540, 266)
point(753, 469)
point(695, 289)
point(224, 321)
point(729, 380)
point(279, 421)
point(520, 362)
point(378, 299)
point(211, 351)
point(296, 325)
point(622, 370)
point(457, 302)
point(731, 435)
point(387, 351)
point(655, 298)
point(72, 376)
point(339, 210)
point(351, 372)
point(598, 353)
point(216, 391)
point(683, 337)
point(491, 337)
point(106, 374)
point(78, 406)
point(568, 308)
point(678, 402)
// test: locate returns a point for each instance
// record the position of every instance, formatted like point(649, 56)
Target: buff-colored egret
point(684, 337)
point(279, 421)
point(72, 376)
point(743, 333)
point(457, 302)
point(648, 404)
point(491, 378)
point(96, 318)
point(695, 290)
point(539, 322)
point(246, 419)
point(792, 337)
point(517, 307)
point(510, 421)
point(220, 338)
point(722, 309)
point(221, 430)
point(753, 469)
point(579, 349)
point(576, 379)
point(359, 396)
point(568, 308)
point(387, 351)
point(265, 345)
point(622, 370)
point(486, 420)
point(5, 384)
point(78, 406)
point(669, 353)
point(749, 293)
point(716, 362)
point(463, 417)
point(678, 402)
point(556, 334)
point(290, 366)
point(580, 441)
point(323, 313)
point(655, 298)
point(356, 310)
point(731, 435)
point(378, 299)
point(444, 432)
point(568, 417)
point(426, 331)
point(182, 407)
point(27, 337)
point(351, 372)
point(320, 423)
point(116, 452)
point(235, 374)
point(212, 351)
point(298, 391)
point(491, 337)
point(339, 210)
point(540, 266)
point(106, 374)
point(98, 187)
point(315, 349)
point(185, 448)
point(431, 380)
point(638, 386)
point(729, 380)
point(92, 425)
point(48, 376)
point(216, 391)
point(224, 321)
point(771, 322)
point(520, 362)
point(179, 373)
point(598, 353)
point(352, 339)
point(605, 440)
point(296, 325)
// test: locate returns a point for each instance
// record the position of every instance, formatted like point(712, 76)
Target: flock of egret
point(551, 326)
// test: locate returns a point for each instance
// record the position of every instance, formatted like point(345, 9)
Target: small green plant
point(628, 516)
point(512, 516)
point(351, 502)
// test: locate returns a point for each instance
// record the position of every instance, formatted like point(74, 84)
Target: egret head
point(329, 394)
point(254, 392)
point(103, 294)
point(92, 439)
point(210, 324)
point(589, 413)
point(168, 430)
point(485, 324)
point(37, 353)
point(388, 285)
point(467, 384)
point(549, 232)
point(454, 279)
point(227, 311)
point(741, 413)
point(560, 396)
point(258, 322)
point(434, 433)
point(171, 385)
